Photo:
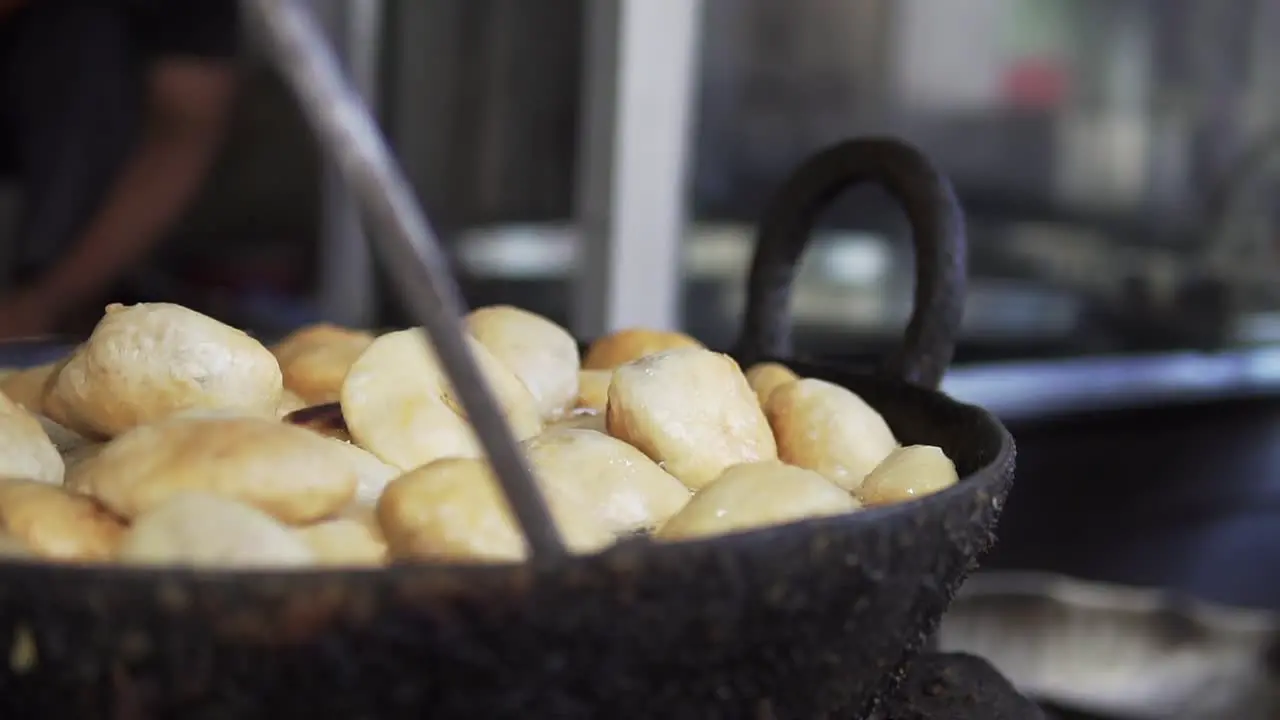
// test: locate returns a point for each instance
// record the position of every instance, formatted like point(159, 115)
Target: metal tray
point(1125, 652)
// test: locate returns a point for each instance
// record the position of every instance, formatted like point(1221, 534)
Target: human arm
point(187, 106)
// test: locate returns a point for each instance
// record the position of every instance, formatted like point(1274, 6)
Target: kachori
point(25, 449)
point(290, 473)
point(828, 429)
point(344, 542)
point(907, 473)
point(619, 348)
point(755, 495)
point(593, 389)
point(690, 410)
point(543, 355)
point(314, 360)
point(766, 377)
point(398, 402)
point(200, 529)
point(57, 524)
point(27, 387)
point(143, 363)
point(607, 477)
point(169, 438)
point(453, 509)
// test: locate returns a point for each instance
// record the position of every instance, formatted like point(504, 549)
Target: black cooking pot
point(810, 619)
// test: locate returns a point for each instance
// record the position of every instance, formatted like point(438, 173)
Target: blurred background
point(604, 164)
point(1116, 160)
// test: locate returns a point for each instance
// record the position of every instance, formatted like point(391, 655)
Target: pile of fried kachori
point(169, 438)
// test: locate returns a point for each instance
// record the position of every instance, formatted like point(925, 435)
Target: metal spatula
point(402, 235)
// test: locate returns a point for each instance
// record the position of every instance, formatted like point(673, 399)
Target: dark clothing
point(72, 88)
point(183, 28)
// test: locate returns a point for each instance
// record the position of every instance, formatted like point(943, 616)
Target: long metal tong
point(414, 259)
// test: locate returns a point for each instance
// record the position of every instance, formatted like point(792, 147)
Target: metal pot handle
point(938, 234)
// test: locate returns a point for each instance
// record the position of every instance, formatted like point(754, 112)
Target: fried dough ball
point(399, 404)
point(828, 429)
point(57, 524)
point(366, 515)
point(27, 387)
point(25, 450)
point(33, 390)
point(209, 414)
point(64, 439)
point(58, 410)
point(624, 346)
point(372, 475)
point(344, 542)
point(290, 473)
point(908, 473)
point(590, 420)
point(769, 376)
point(606, 477)
point(146, 362)
point(204, 530)
point(290, 402)
point(593, 389)
point(12, 548)
point(756, 495)
point(541, 353)
point(454, 509)
point(690, 410)
point(315, 359)
point(74, 457)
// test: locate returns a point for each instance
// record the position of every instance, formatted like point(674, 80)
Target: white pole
point(641, 76)
point(347, 289)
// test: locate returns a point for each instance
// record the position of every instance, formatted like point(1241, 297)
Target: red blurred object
point(1036, 84)
point(278, 267)
point(8, 6)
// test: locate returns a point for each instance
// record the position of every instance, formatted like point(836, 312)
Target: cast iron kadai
point(811, 619)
